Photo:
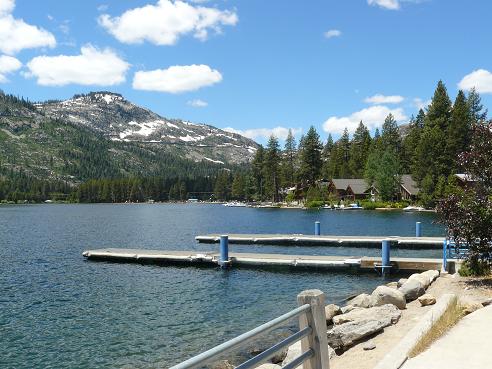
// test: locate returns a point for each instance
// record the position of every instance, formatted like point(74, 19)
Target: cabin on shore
point(350, 189)
point(408, 188)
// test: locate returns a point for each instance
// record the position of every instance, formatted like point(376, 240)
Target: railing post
point(224, 251)
point(418, 229)
point(385, 256)
point(317, 228)
point(445, 255)
point(316, 319)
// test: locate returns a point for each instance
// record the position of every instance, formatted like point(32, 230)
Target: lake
point(58, 310)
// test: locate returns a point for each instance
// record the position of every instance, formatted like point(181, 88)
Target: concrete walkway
point(466, 346)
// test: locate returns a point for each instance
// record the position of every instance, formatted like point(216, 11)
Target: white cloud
point(333, 33)
point(372, 117)
point(481, 79)
point(255, 133)
point(176, 79)
point(387, 4)
point(6, 7)
point(197, 103)
point(8, 64)
point(16, 35)
point(165, 22)
point(91, 67)
point(382, 99)
point(421, 104)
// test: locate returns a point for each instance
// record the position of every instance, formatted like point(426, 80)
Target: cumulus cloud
point(265, 133)
point(8, 64)
point(387, 4)
point(176, 79)
point(372, 117)
point(197, 103)
point(382, 99)
point(165, 22)
point(91, 67)
point(333, 33)
point(479, 79)
point(16, 35)
point(421, 104)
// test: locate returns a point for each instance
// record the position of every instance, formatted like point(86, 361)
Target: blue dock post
point(445, 255)
point(418, 229)
point(224, 251)
point(385, 257)
point(317, 228)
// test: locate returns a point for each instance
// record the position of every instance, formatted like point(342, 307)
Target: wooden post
point(316, 319)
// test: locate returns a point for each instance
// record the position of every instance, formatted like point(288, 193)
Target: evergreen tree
point(289, 160)
point(478, 114)
point(390, 136)
point(458, 135)
point(310, 156)
point(272, 169)
point(410, 142)
point(359, 151)
point(326, 157)
point(258, 172)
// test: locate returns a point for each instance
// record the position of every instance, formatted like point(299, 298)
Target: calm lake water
point(58, 310)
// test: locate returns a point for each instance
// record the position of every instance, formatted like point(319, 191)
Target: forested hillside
point(427, 148)
point(43, 157)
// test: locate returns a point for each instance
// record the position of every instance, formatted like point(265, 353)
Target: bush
point(466, 270)
point(314, 204)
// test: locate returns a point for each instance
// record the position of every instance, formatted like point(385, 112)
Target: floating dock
point(310, 262)
point(309, 240)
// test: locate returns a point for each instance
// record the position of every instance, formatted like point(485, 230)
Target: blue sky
point(253, 66)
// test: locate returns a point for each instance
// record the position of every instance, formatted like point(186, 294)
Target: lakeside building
point(408, 188)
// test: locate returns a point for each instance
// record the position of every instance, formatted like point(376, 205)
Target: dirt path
point(466, 288)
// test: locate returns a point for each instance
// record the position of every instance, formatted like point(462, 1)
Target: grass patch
point(452, 315)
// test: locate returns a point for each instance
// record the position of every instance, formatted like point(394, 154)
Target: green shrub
point(481, 268)
point(314, 204)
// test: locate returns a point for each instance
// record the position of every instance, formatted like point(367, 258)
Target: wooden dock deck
point(311, 262)
point(326, 240)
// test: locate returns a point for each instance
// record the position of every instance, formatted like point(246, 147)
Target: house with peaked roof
point(408, 188)
point(351, 189)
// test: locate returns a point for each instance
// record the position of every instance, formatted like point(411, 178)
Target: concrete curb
point(397, 357)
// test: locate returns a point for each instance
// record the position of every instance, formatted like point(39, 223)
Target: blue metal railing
point(312, 331)
point(214, 353)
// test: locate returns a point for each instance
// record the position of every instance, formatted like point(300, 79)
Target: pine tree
point(431, 156)
point(359, 151)
point(258, 172)
point(310, 156)
point(478, 114)
point(289, 160)
point(390, 136)
point(459, 130)
point(272, 169)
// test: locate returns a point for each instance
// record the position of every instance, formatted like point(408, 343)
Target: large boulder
point(427, 299)
point(412, 289)
point(345, 335)
point(401, 282)
point(383, 295)
point(331, 310)
point(347, 308)
point(279, 357)
point(363, 300)
point(431, 274)
point(387, 314)
point(295, 351)
point(424, 280)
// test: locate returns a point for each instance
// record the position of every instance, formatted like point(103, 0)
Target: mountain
point(117, 119)
point(102, 135)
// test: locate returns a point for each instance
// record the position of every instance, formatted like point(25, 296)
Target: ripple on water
point(58, 310)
